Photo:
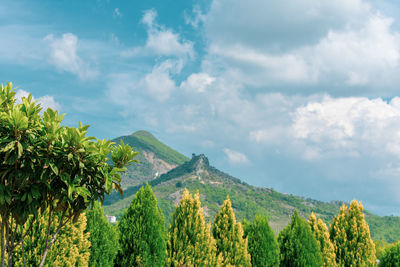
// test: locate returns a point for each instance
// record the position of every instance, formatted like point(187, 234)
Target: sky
point(297, 95)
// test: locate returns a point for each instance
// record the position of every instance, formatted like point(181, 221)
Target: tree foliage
point(298, 246)
point(231, 246)
point(189, 239)
point(351, 238)
point(71, 248)
point(142, 233)
point(391, 256)
point(321, 233)
point(103, 238)
point(49, 166)
point(263, 247)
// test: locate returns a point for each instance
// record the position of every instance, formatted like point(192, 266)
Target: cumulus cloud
point(300, 43)
point(160, 41)
point(63, 54)
point(197, 82)
point(46, 101)
point(235, 157)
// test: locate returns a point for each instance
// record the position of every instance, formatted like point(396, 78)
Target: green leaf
point(54, 168)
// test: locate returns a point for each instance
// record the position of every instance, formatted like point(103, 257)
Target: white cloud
point(197, 82)
point(161, 41)
point(235, 157)
point(45, 101)
point(158, 84)
point(195, 18)
point(63, 54)
point(117, 13)
point(354, 126)
point(339, 43)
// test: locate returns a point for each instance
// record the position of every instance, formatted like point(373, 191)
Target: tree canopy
point(49, 166)
point(142, 232)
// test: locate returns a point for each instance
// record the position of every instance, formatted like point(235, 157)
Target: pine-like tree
point(351, 238)
point(321, 233)
point(263, 247)
point(231, 246)
point(142, 232)
point(71, 248)
point(190, 242)
point(391, 256)
point(298, 245)
point(103, 237)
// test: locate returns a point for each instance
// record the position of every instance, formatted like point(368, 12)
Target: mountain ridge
point(247, 200)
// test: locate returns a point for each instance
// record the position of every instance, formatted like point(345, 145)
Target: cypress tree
point(103, 237)
point(391, 256)
point(71, 248)
point(263, 247)
point(351, 238)
point(298, 245)
point(231, 246)
point(320, 231)
point(190, 242)
point(142, 232)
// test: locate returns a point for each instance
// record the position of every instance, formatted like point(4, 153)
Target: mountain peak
point(142, 133)
point(200, 160)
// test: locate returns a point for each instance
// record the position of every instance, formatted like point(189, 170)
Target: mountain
point(247, 201)
point(155, 158)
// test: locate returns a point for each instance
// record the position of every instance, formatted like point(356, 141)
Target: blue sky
point(298, 95)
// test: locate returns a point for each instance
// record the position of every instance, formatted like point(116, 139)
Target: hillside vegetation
point(247, 201)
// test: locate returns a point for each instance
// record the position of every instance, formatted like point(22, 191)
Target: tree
point(142, 233)
point(391, 256)
point(103, 237)
point(71, 248)
point(298, 245)
point(263, 247)
point(321, 234)
point(351, 238)
point(380, 247)
point(189, 240)
point(49, 166)
point(231, 246)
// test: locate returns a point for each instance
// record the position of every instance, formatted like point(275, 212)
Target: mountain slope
point(155, 158)
point(247, 200)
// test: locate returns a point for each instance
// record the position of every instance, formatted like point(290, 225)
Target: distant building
point(111, 219)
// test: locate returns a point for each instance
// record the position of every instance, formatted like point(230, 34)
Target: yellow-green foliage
point(231, 245)
point(351, 237)
point(189, 240)
point(71, 248)
point(320, 231)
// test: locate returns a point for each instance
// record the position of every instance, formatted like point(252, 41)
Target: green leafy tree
point(142, 233)
point(351, 238)
point(321, 233)
point(263, 247)
point(189, 239)
point(391, 256)
point(298, 245)
point(231, 246)
point(71, 248)
point(49, 166)
point(103, 237)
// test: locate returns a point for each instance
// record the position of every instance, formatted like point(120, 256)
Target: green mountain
point(247, 200)
point(155, 158)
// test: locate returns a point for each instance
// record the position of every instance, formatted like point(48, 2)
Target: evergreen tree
point(231, 246)
point(263, 247)
point(351, 238)
point(320, 231)
point(190, 242)
point(298, 245)
point(391, 256)
point(71, 248)
point(142, 232)
point(103, 237)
